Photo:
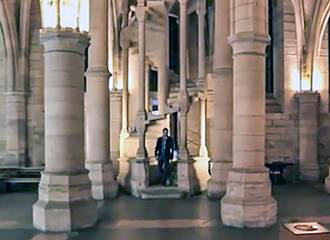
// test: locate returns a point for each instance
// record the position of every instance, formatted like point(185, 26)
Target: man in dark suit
point(164, 153)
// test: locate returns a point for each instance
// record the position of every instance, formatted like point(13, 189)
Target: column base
point(65, 203)
point(217, 185)
point(139, 176)
point(187, 179)
point(201, 82)
point(124, 174)
point(327, 184)
point(248, 201)
point(310, 174)
point(104, 184)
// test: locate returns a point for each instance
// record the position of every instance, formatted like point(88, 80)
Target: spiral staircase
point(155, 34)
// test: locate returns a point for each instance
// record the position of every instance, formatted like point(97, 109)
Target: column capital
point(183, 2)
point(141, 3)
point(97, 72)
point(141, 13)
point(64, 41)
point(249, 43)
point(308, 97)
point(247, 37)
point(201, 7)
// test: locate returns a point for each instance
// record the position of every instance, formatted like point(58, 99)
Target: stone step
point(160, 192)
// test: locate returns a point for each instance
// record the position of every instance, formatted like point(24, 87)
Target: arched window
point(174, 43)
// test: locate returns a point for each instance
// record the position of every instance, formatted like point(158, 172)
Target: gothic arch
point(10, 44)
point(16, 42)
point(323, 22)
point(309, 40)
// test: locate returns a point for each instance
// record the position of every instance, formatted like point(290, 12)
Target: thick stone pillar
point(186, 178)
point(308, 105)
point(98, 160)
point(16, 128)
point(163, 64)
point(65, 201)
point(139, 166)
point(222, 134)
point(248, 201)
point(201, 11)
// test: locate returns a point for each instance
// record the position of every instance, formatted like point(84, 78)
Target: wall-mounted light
point(64, 14)
point(317, 80)
point(306, 83)
point(295, 80)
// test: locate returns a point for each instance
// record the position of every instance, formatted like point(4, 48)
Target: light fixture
point(65, 15)
point(301, 82)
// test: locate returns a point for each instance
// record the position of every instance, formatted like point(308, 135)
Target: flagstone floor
point(128, 218)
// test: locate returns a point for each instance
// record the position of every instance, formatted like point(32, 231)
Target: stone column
point(163, 66)
point(115, 130)
point(201, 11)
point(186, 178)
point(162, 79)
point(65, 201)
point(203, 152)
point(139, 166)
point(16, 128)
point(125, 44)
point(308, 105)
point(147, 97)
point(97, 106)
point(248, 201)
point(222, 134)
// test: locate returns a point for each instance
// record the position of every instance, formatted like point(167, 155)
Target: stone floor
point(128, 218)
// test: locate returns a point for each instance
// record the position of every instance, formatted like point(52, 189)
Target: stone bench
point(18, 175)
point(8, 181)
point(276, 171)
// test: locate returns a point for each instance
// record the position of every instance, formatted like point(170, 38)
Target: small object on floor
point(304, 230)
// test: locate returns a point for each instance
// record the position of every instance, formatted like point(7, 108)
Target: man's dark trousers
point(164, 168)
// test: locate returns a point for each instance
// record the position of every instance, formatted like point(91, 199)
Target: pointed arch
point(300, 26)
point(11, 45)
point(321, 26)
point(24, 36)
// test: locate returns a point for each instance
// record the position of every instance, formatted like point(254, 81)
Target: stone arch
point(309, 40)
point(322, 24)
point(2, 96)
point(10, 41)
point(299, 19)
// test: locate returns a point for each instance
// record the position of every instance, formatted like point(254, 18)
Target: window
point(174, 44)
point(270, 52)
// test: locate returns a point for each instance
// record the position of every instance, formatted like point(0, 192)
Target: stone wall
point(290, 57)
point(36, 85)
point(281, 137)
point(323, 144)
point(282, 140)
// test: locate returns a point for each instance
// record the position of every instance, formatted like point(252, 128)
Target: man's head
point(165, 132)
